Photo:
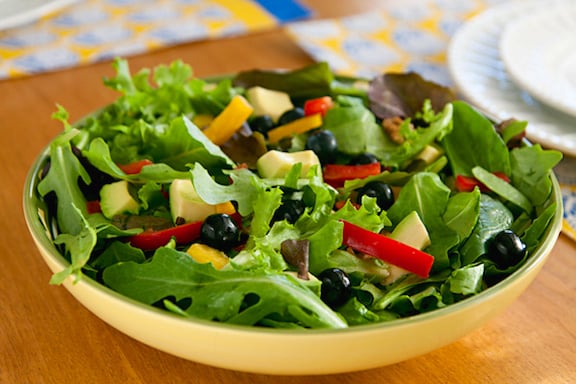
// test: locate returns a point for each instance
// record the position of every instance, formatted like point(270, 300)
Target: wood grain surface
point(46, 336)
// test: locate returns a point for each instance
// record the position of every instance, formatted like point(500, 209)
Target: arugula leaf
point(62, 179)
point(473, 142)
point(79, 246)
point(220, 295)
point(117, 252)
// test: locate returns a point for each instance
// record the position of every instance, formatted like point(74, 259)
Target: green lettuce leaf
point(229, 296)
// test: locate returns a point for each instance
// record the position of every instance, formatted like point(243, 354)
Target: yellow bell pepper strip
point(295, 127)
point(227, 208)
point(202, 253)
point(387, 249)
point(229, 120)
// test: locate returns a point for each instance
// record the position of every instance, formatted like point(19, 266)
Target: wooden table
point(48, 337)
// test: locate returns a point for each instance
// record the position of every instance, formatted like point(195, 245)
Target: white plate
point(539, 53)
point(479, 74)
point(14, 13)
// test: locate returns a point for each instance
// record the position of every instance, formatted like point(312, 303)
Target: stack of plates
point(518, 60)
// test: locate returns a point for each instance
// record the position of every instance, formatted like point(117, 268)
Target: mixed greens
point(412, 200)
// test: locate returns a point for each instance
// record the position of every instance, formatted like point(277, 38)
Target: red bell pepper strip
point(151, 240)
point(93, 206)
point(318, 105)
point(387, 249)
point(337, 174)
point(135, 167)
point(467, 183)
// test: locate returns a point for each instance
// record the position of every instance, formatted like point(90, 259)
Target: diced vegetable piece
point(229, 120)
point(318, 105)
point(203, 253)
point(115, 199)
point(410, 231)
point(182, 234)
point(295, 127)
point(429, 154)
point(186, 204)
point(276, 164)
point(135, 167)
point(337, 174)
point(269, 102)
point(387, 249)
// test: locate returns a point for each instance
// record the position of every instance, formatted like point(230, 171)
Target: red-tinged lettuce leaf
point(403, 94)
point(228, 296)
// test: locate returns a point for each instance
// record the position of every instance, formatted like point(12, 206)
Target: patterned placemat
point(95, 30)
point(408, 35)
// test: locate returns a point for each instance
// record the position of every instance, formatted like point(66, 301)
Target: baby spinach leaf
point(462, 212)
point(473, 142)
point(531, 166)
point(502, 188)
point(494, 217)
point(308, 82)
point(426, 194)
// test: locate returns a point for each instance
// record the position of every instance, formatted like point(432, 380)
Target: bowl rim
point(39, 234)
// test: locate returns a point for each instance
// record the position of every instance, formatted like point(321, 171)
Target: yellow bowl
point(287, 352)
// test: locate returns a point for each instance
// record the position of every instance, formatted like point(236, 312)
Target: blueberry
point(324, 145)
point(336, 287)
point(290, 115)
point(364, 158)
point(220, 231)
point(262, 124)
point(290, 210)
point(506, 249)
point(380, 190)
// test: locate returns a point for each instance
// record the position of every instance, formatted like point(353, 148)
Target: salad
point(294, 199)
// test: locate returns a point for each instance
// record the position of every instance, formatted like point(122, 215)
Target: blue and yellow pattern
point(95, 30)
